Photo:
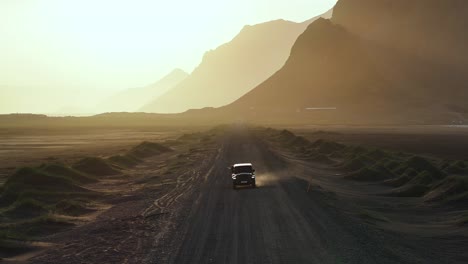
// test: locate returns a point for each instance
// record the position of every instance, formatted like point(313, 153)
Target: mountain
point(432, 29)
point(131, 100)
point(328, 68)
point(231, 70)
point(359, 68)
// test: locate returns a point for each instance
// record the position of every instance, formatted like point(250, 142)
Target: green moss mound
point(462, 221)
point(453, 189)
point(390, 164)
point(148, 149)
point(336, 155)
point(52, 197)
point(419, 164)
point(377, 154)
point(398, 182)
point(320, 158)
point(355, 151)
point(126, 161)
point(289, 139)
point(95, 166)
point(357, 163)
point(173, 143)
point(33, 183)
point(409, 190)
point(456, 167)
point(424, 178)
point(72, 208)
point(286, 134)
point(35, 179)
point(298, 142)
point(370, 174)
point(11, 247)
point(66, 172)
point(328, 147)
point(27, 208)
point(40, 226)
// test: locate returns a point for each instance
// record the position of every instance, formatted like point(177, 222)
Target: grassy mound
point(462, 221)
point(419, 164)
point(39, 226)
point(73, 208)
point(320, 158)
point(125, 161)
point(336, 155)
point(390, 164)
point(377, 154)
point(27, 208)
point(354, 151)
point(398, 182)
point(424, 178)
point(95, 166)
point(173, 143)
point(27, 179)
point(287, 138)
point(416, 176)
point(10, 248)
point(29, 184)
point(444, 164)
point(409, 190)
point(456, 167)
point(357, 163)
point(417, 179)
point(286, 134)
point(206, 138)
point(409, 175)
point(148, 149)
point(66, 172)
point(452, 189)
point(370, 174)
point(328, 147)
point(53, 197)
point(298, 142)
point(371, 216)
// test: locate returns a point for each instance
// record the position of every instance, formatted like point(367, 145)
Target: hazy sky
point(104, 45)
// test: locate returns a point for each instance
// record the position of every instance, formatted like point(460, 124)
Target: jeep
point(243, 174)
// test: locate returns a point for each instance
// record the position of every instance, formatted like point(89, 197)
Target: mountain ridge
point(130, 100)
point(335, 66)
point(232, 69)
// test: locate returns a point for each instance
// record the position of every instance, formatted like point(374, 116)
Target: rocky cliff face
point(327, 68)
point(376, 62)
point(432, 29)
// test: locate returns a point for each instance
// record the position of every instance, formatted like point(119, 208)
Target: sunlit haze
point(88, 49)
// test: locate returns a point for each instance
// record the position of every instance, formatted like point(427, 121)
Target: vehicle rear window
point(243, 169)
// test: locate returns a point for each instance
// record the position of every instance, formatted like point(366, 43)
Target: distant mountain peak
point(176, 74)
point(327, 15)
point(132, 99)
point(178, 71)
point(234, 68)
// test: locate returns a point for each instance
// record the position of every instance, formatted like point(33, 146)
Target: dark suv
point(243, 174)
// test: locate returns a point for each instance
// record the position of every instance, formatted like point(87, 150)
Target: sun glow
point(110, 45)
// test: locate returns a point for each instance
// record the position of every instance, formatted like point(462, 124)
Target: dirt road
point(300, 213)
point(282, 221)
